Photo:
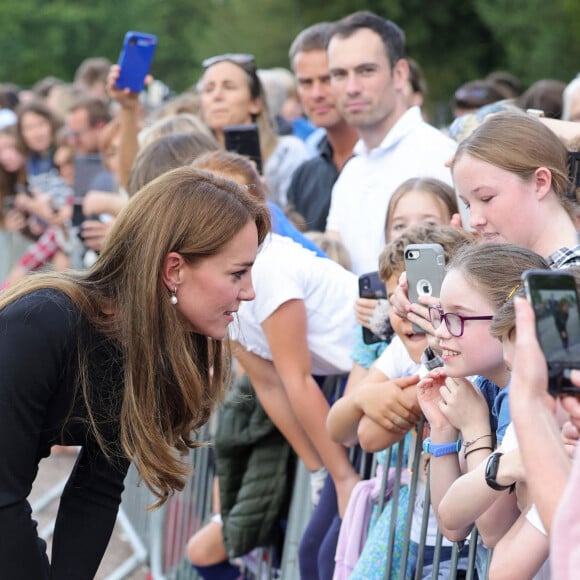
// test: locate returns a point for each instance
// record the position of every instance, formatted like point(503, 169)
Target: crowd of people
point(156, 278)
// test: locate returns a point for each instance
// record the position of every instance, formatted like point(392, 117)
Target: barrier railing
point(163, 533)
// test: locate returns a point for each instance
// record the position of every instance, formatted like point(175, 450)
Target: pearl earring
point(173, 298)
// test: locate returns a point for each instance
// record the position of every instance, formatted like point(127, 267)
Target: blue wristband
point(440, 449)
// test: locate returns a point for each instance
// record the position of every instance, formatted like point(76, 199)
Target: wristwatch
point(440, 449)
point(491, 469)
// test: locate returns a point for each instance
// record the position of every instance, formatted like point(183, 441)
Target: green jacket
point(255, 466)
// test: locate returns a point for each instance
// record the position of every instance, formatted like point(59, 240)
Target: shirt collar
point(408, 121)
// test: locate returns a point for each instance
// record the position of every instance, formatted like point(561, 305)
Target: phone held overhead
point(135, 60)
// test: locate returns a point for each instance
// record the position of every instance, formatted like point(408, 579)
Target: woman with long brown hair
point(128, 361)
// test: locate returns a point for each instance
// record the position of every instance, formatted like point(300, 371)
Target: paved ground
point(52, 471)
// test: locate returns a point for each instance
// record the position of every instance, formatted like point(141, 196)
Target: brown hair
point(9, 181)
point(495, 269)
point(264, 121)
point(443, 193)
point(165, 153)
point(392, 261)
point(519, 143)
point(315, 37)
point(173, 377)
point(392, 37)
point(38, 108)
point(97, 109)
point(235, 167)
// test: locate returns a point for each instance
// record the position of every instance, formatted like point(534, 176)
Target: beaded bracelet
point(466, 453)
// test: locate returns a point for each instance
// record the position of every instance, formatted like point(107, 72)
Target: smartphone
point(245, 140)
point(370, 285)
point(135, 60)
point(554, 298)
point(425, 267)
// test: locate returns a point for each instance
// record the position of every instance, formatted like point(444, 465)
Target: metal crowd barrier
point(159, 537)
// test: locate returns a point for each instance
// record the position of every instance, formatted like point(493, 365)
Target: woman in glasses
point(232, 94)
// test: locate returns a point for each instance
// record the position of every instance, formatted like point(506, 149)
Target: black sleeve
point(33, 345)
point(37, 335)
point(86, 515)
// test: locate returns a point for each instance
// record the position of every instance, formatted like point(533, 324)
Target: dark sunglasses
point(454, 322)
point(237, 58)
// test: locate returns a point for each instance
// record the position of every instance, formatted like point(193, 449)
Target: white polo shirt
point(361, 195)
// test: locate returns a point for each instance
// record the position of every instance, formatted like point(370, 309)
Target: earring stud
point(173, 298)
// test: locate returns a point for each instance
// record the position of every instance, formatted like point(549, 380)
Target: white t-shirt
point(395, 361)
point(285, 271)
point(361, 195)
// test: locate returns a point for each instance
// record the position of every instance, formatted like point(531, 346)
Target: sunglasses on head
point(237, 58)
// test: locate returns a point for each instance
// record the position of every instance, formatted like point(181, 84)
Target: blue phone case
point(135, 60)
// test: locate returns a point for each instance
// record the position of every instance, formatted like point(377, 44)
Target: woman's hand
point(431, 401)
point(94, 232)
point(124, 97)
point(14, 221)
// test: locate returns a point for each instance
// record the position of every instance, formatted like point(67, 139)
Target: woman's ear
point(171, 270)
point(255, 106)
point(543, 181)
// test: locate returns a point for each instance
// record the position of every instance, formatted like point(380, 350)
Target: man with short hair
point(85, 120)
point(369, 75)
point(312, 182)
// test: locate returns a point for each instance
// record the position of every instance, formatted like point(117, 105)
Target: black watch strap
point(491, 470)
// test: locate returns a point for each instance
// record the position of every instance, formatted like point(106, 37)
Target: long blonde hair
point(172, 377)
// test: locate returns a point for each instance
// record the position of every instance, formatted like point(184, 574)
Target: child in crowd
point(459, 411)
point(416, 200)
point(383, 409)
point(294, 305)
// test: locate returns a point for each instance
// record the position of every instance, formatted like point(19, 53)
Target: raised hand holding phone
point(135, 60)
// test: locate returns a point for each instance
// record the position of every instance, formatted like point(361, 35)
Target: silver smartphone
point(425, 267)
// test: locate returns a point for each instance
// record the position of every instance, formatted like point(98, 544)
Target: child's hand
point(431, 401)
point(391, 404)
point(364, 308)
point(464, 406)
point(419, 314)
point(399, 299)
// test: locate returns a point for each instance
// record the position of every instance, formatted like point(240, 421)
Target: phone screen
point(554, 298)
point(244, 140)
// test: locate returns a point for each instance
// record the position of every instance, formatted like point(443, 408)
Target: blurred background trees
point(453, 40)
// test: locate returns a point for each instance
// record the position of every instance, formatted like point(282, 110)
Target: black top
point(40, 335)
point(311, 187)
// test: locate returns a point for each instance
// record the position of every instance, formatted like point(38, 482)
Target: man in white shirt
point(369, 74)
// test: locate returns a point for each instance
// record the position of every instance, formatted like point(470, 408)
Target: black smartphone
point(371, 286)
point(245, 140)
point(135, 60)
point(425, 267)
point(554, 298)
